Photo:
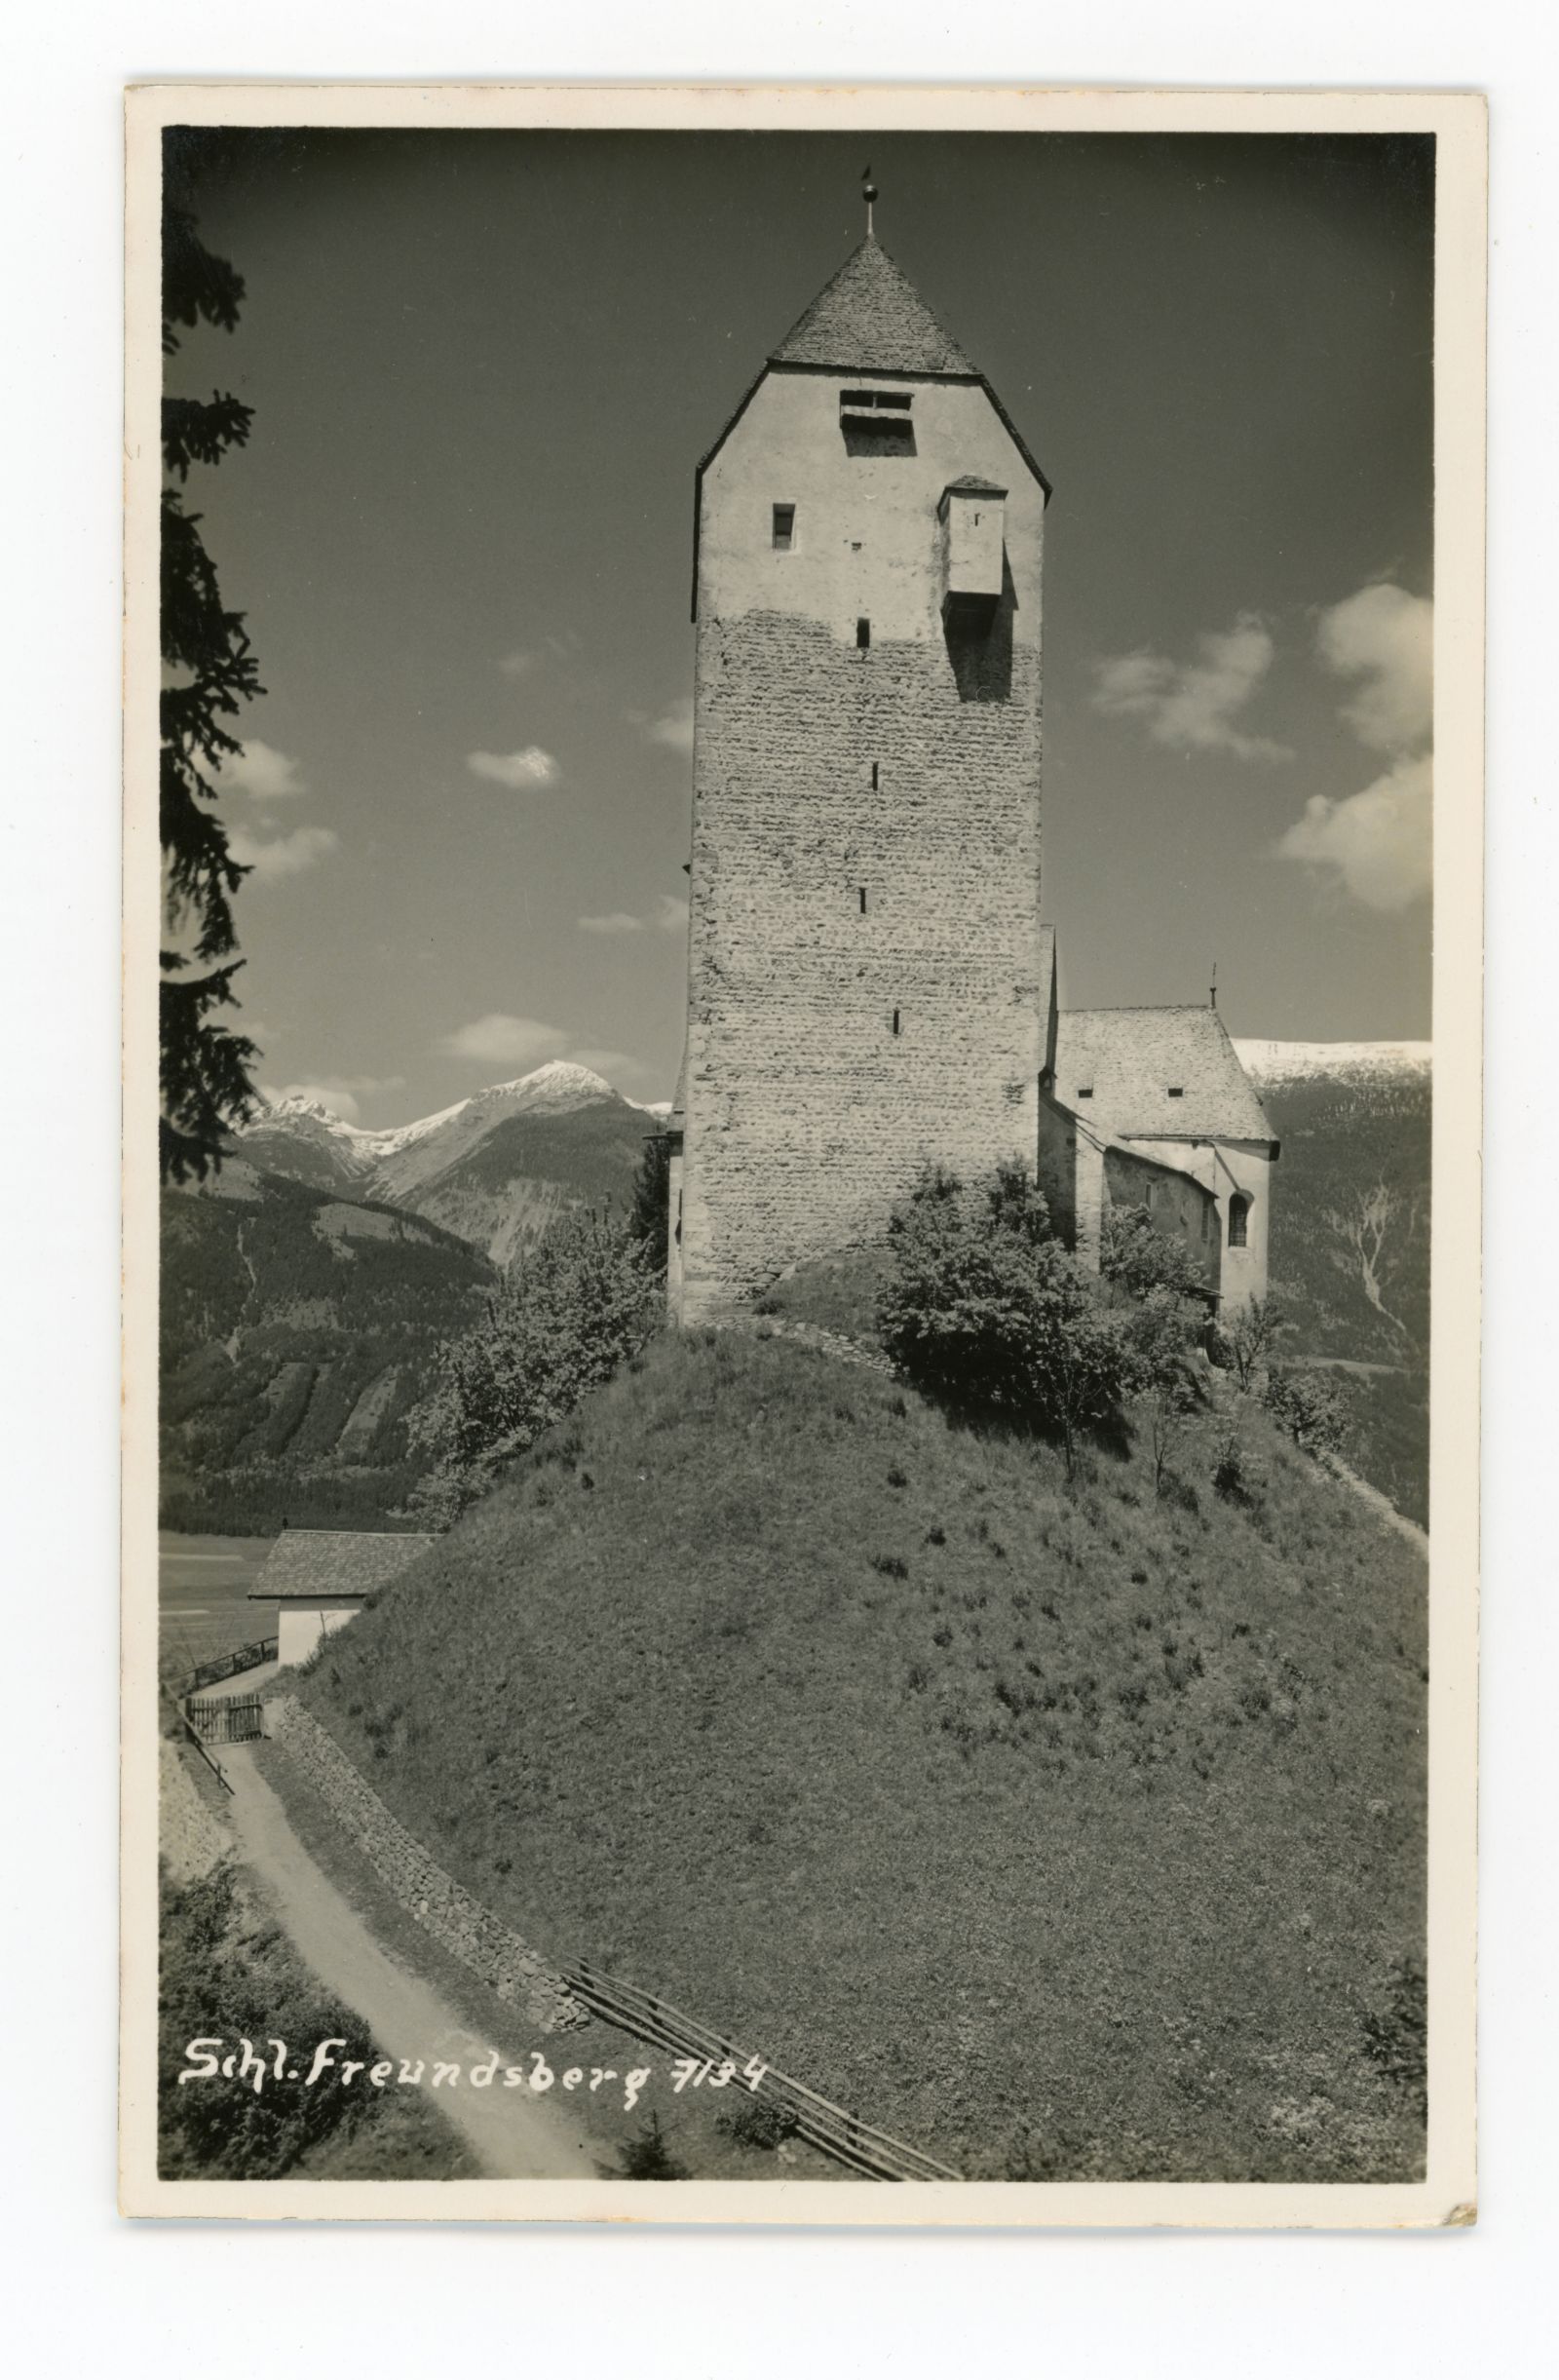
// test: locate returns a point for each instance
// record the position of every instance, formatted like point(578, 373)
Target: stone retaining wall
point(444, 1909)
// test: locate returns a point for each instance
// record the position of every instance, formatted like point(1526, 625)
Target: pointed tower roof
point(871, 319)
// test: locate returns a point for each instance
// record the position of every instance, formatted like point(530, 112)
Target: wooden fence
point(237, 1718)
point(829, 2127)
point(228, 1665)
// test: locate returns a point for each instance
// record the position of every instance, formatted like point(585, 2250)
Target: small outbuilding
point(319, 1579)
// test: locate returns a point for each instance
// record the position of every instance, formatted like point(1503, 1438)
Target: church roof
point(310, 1562)
point(1156, 1073)
point(870, 319)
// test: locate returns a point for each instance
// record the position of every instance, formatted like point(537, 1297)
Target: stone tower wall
point(807, 1114)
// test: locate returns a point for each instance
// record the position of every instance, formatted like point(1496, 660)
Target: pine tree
point(206, 1079)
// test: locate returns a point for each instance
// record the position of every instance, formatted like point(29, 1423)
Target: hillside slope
point(297, 1332)
point(1350, 1256)
point(1063, 1834)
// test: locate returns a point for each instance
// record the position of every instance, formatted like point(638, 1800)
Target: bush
point(985, 1309)
point(1137, 1258)
point(1309, 1406)
point(1245, 1343)
point(585, 1297)
point(756, 2124)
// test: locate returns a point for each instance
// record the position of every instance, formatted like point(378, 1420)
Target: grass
point(1065, 1832)
point(690, 2122)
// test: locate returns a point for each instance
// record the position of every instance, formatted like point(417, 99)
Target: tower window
point(863, 901)
point(1177, 1090)
point(874, 775)
point(875, 400)
point(863, 634)
point(784, 527)
point(1239, 1218)
point(897, 1024)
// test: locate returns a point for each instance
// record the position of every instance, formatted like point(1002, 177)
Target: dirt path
point(514, 2137)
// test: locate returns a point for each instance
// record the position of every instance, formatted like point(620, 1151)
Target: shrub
point(984, 1308)
point(649, 1214)
point(571, 1309)
point(1135, 1256)
point(1158, 1339)
point(1309, 1406)
point(756, 2124)
point(1244, 1344)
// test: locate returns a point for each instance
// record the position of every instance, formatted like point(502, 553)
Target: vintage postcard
point(802, 1022)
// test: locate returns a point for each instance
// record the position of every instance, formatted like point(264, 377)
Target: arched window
point(1238, 1216)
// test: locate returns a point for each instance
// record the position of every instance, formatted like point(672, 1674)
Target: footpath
point(514, 2137)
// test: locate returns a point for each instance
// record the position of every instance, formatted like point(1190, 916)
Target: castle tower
point(864, 977)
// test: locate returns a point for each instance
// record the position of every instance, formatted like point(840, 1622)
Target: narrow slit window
point(863, 635)
point(784, 527)
point(897, 1024)
point(863, 901)
point(874, 775)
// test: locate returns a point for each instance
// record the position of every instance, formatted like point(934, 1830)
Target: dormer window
point(784, 529)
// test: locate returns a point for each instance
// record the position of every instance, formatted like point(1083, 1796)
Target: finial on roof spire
point(868, 191)
point(1212, 990)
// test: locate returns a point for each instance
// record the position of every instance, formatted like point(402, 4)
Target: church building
point(869, 984)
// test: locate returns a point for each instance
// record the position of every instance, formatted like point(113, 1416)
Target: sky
point(484, 368)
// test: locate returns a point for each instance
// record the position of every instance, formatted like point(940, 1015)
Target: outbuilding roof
point(1156, 1073)
point(305, 1563)
point(870, 319)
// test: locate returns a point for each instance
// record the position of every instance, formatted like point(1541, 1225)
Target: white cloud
point(1380, 841)
point(283, 854)
point(614, 921)
point(500, 1040)
point(674, 726)
point(336, 1091)
point(1195, 703)
point(1384, 637)
point(261, 770)
point(669, 916)
point(517, 770)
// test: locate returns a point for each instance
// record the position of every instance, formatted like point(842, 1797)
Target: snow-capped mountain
point(494, 1168)
point(1304, 1062)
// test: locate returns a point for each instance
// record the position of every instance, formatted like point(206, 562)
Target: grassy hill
point(297, 1332)
point(1350, 1258)
point(1065, 1833)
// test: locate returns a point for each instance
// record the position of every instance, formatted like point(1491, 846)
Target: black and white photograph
point(802, 1070)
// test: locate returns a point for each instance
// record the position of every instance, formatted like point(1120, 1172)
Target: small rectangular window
point(874, 775)
point(1085, 1091)
point(784, 527)
point(896, 1024)
point(875, 400)
point(1177, 1090)
point(863, 901)
point(863, 634)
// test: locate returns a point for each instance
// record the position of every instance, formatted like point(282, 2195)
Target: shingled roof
point(870, 319)
point(304, 1563)
point(1133, 1060)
